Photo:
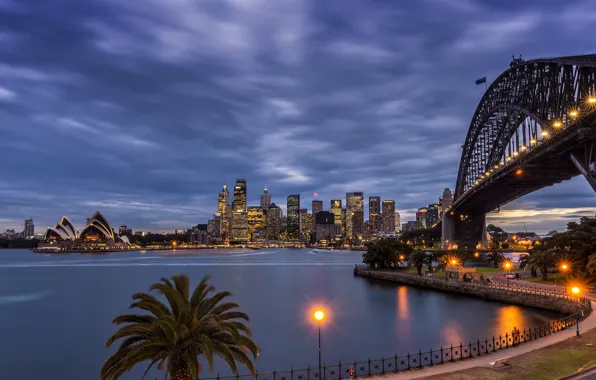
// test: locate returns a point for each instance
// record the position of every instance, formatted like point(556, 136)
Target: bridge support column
point(447, 231)
point(586, 165)
point(470, 231)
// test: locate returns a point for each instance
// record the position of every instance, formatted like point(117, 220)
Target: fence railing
point(411, 360)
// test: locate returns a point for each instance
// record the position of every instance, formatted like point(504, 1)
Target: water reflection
point(403, 305)
point(452, 333)
point(509, 317)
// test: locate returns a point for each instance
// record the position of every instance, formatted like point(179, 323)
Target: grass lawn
point(552, 277)
point(560, 359)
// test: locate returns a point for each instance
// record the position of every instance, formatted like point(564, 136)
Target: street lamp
point(319, 316)
point(507, 266)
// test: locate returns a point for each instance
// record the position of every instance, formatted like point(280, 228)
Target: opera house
point(97, 235)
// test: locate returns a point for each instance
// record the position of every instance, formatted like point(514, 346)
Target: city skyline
point(164, 101)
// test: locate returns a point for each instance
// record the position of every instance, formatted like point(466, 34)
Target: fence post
point(441, 354)
point(274, 374)
point(452, 353)
point(461, 351)
point(369, 366)
point(292, 373)
point(396, 367)
point(340, 372)
point(494, 347)
point(308, 372)
point(383, 365)
point(409, 360)
point(478, 348)
point(420, 358)
point(431, 357)
point(506, 340)
point(324, 372)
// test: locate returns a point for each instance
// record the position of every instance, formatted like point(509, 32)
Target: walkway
point(482, 361)
point(500, 278)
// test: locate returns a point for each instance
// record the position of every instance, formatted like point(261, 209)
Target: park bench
point(502, 361)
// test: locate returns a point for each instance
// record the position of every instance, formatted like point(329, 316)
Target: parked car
point(510, 276)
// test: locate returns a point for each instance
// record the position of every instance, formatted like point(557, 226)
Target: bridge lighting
point(487, 173)
point(573, 113)
point(508, 159)
point(575, 290)
point(592, 100)
point(515, 154)
point(496, 166)
point(558, 124)
point(519, 171)
point(523, 147)
point(533, 141)
point(544, 133)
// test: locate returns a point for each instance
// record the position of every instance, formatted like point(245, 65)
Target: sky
point(144, 109)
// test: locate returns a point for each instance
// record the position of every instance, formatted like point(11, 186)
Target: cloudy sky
point(144, 109)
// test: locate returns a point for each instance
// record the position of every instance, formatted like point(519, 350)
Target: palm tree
point(418, 259)
point(495, 257)
point(591, 267)
point(542, 261)
point(523, 263)
point(177, 333)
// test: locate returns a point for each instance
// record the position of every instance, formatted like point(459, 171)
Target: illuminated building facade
point(239, 196)
point(388, 216)
point(239, 227)
point(325, 226)
point(293, 222)
point(374, 215)
point(29, 230)
point(265, 199)
point(256, 220)
point(421, 217)
point(223, 208)
point(273, 222)
point(343, 221)
point(397, 222)
point(354, 214)
point(306, 224)
point(336, 210)
point(432, 215)
point(317, 206)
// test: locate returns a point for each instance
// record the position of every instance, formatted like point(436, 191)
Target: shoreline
point(100, 251)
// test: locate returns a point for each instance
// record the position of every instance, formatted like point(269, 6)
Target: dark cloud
point(144, 109)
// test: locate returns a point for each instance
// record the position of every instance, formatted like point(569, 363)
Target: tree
point(542, 261)
point(498, 235)
point(495, 257)
point(177, 333)
point(524, 261)
point(385, 253)
point(591, 267)
point(418, 259)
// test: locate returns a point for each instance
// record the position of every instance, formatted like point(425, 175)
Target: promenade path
point(484, 360)
point(500, 278)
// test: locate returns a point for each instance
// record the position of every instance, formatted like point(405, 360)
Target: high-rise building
point(397, 222)
point(343, 222)
point(124, 230)
point(325, 226)
point(404, 227)
point(421, 217)
point(223, 209)
point(388, 216)
point(265, 198)
point(432, 215)
point(29, 229)
point(239, 227)
point(317, 206)
point(336, 210)
point(354, 214)
point(256, 220)
point(293, 224)
point(306, 224)
point(239, 196)
point(410, 225)
point(374, 214)
point(445, 201)
point(273, 222)
point(214, 228)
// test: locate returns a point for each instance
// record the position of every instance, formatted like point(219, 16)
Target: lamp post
point(564, 269)
point(319, 316)
point(507, 266)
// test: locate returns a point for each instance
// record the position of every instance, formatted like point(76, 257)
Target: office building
point(306, 224)
point(29, 228)
point(317, 206)
point(293, 220)
point(404, 227)
point(432, 215)
point(421, 217)
point(388, 216)
point(397, 222)
point(374, 215)
point(354, 214)
point(336, 210)
point(256, 220)
point(343, 222)
point(239, 196)
point(273, 222)
point(325, 226)
point(239, 227)
point(265, 199)
point(225, 212)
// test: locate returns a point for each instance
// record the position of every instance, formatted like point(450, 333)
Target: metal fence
point(397, 363)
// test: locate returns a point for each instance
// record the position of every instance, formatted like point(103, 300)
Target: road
point(500, 278)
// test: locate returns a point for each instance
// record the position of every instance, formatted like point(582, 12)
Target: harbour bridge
point(534, 127)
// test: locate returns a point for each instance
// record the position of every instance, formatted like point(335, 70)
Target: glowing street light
point(319, 315)
point(557, 124)
point(544, 133)
point(533, 141)
point(476, 254)
point(575, 290)
point(574, 113)
point(519, 171)
point(402, 257)
point(592, 100)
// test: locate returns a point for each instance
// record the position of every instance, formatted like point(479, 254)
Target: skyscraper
point(317, 206)
point(273, 222)
point(421, 217)
point(432, 215)
point(265, 198)
point(388, 216)
point(306, 224)
point(343, 221)
point(256, 220)
point(374, 214)
point(223, 208)
point(240, 195)
point(336, 210)
point(293, 224)
point(29, 229)
point(354, 214)
point(397, 222)
point(240, 227)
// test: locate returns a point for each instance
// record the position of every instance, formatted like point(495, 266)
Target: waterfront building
point(432, 215)
point(179, 232)
point(265, 199)
point(410, 225)
point(214, 228)
point(293, 221)
point(354, 214)
point(421, 217)
point(225, 212)
point(239, 227)
point(337, 211)
point(325, 226)
point(256, 220)
point(397, 222)
point(374, 215)
point(445, 201)
point(239, 204)
point(273, 222)
point(388, 216)
point(343, 222)
point(29, 230)
point(306, 224)
point(317, 206)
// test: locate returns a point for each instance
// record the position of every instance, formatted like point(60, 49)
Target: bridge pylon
point(463, 231)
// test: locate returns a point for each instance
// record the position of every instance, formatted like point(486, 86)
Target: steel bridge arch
point(542, 90)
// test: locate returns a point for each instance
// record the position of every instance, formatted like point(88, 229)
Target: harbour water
point(56, 310)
